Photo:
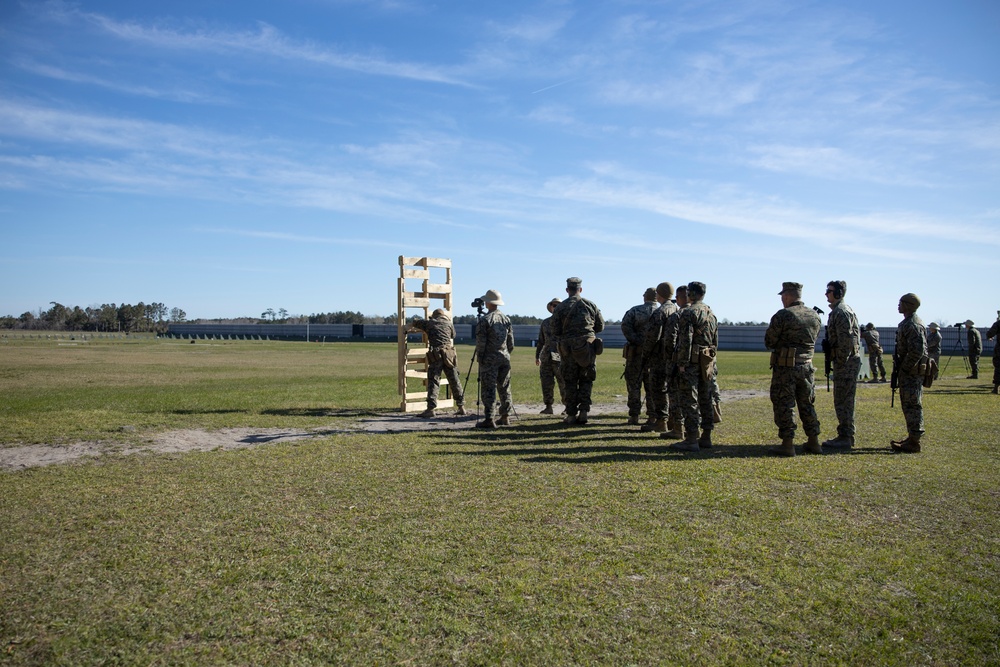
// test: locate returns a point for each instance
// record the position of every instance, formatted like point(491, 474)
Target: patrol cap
point(574, 282)
point(911, 299)
point(492, 297)
point(439, 312)
point(869, 326)
point(649, 294)
point(696, 287)
point(551, 305)
point(791, 287)
point(969, 323)
point(665, 289)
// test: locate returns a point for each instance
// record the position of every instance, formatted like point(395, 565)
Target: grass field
point(535, 544)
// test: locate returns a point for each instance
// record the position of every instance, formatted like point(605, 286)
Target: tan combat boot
point(786, 448)
point(504, 421)
point(689, 444)
point(486, 423)
point(460, 410)
point(582, 417)
point(633, 420)
point(812, 445)
point(705, 441)
point(428, 413)
point(911, 445)
point(547, 410)
point(658, 426)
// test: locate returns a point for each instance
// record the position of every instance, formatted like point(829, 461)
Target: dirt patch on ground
point(32, 456)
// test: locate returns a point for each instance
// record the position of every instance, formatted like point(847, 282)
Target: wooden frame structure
point(413, 358)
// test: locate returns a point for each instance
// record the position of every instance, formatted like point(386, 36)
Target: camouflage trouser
point(674, 411)
point(974, 364)
point(911, 391)
point(696, 399)
point(579, 384)
point(495, 376)
point(876, 366)
point(845, 386)
point(659, 389)
point(637, 379)
point(434, 384)
point(550, 374)
point(791, 387)
point(996, 368)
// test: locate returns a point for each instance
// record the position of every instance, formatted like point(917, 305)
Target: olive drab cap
point(649, 294)
point(439, 313)
point(492, 297)
point(911, 299)
point(869, 326)
point(551, 305)
point(791, 287)
point(695, 287)
point(574, 282)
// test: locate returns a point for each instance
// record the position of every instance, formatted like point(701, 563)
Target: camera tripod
point(961, 349)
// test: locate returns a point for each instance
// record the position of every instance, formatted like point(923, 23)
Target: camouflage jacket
point(661, 332)
point(872, 341)
point(546, 341)
point(440, 331)
point(494, 338)
point(911, 345)
point(843, 332)
point(698, 327)
point(934, 339)
point(634, 323)
point(975, 340)
point(576, 317)
point(796, 326)
point(994, 332)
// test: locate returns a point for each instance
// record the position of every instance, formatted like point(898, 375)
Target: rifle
point(894, 381)
point(827, 360)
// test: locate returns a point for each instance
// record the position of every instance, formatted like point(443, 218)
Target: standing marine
point(494, 343)
point(844, 334)
point(994, 332)
point(934, 339)
point(909, 365)
point(791, 337)
point(658, 351)
point(575, 324)
point(975, 340)
point(875, 365)
point(547, 360)
point(637, 376)
point(441, 357)
point(697, 346)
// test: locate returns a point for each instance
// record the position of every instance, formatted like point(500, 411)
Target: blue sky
point(230, 157)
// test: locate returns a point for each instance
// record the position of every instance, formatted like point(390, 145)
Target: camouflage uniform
point(697, 336)
point(875, 364)
point(911, 348)
point(441, 356)
point(637, 375)
point(494, 343)
point(548, 368)
point(575, 323)
point(658, 350)
point(844, 334)
point(975, 349)
point(934, 344)
point(994, 332)
point(791, 336)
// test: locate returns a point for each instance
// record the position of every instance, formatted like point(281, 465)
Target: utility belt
point(444, 355)
point(790, 357)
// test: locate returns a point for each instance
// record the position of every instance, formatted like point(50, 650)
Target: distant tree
point(268, 314)
point(282, 314)
point(8, 322)
point(27, 320)
point(55, 317)
point(177, 315)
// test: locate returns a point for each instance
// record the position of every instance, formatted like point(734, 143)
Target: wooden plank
point(437, 288)
point(416, 302)
point(436, 262)
point(419, 274)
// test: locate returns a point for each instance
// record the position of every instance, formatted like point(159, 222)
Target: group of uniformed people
point(670, 363)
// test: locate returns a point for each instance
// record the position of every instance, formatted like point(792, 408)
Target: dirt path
point(194, 440)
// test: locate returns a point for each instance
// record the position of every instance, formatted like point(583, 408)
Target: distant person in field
point(697, 345)
point(658, 351)
point(994, 332)
point(975, 340)
point(875, 365)
point(934, 343)
point(494, 343)
point(637, 377)
point(910, 358)
point(791, 337)
point(547, 360)
point(575, 323)
point(441, 357)
point(844, 334)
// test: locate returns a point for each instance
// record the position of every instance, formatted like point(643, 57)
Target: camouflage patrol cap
point(439, 312)
point(649, 294)
point(911, 299)
point(695, 287)
point(869, 326)
point(791, 287)
point(574, 282)
point(665, 289)
point(551, 305)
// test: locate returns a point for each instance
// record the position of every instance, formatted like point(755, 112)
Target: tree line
point(126, 317)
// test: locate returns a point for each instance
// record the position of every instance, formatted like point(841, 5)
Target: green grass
point(537, 544)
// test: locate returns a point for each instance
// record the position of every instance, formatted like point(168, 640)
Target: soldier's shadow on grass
point(561, 443)
point(319, 412)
